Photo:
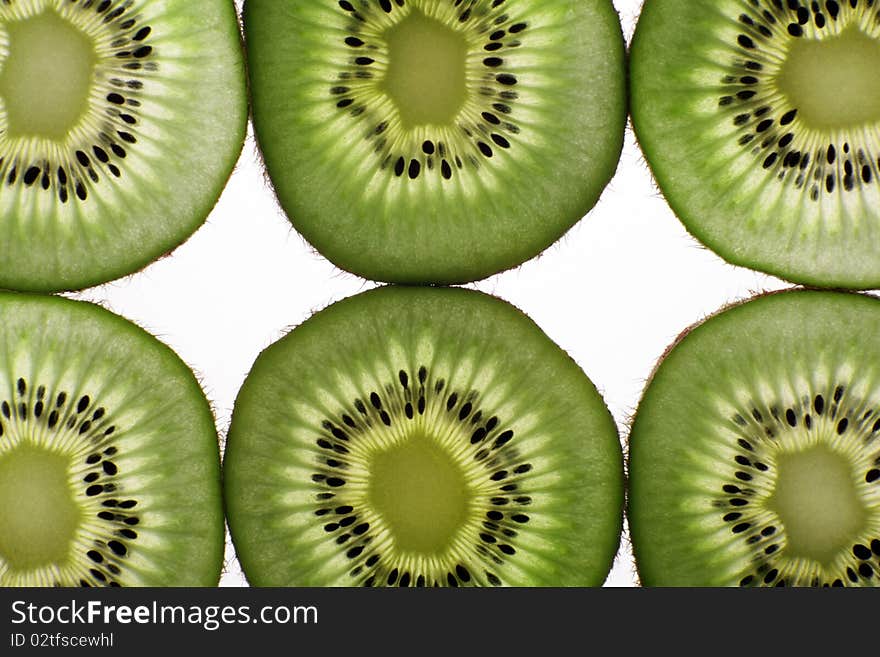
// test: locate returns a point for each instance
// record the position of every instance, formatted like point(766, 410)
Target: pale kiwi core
point(47, 76)
point(833, 82)
point(817, 501)
point(421, 493)
point(426, 76)
point(38, 513)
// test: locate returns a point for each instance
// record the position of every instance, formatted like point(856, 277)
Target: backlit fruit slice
point(755, 451)
point(427, 141)
point(120, 122)
point(761, 123)
point(422, 437)
point(109, 458)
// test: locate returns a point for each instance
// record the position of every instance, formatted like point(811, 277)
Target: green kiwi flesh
point(109, 456)
point(754, 456)
point(120, 122)
point(432, 141)
point(422, 437)
point(760, 120)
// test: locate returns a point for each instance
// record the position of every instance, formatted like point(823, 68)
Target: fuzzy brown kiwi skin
point(630, 421)
point(201, 561)
point(468, 253)
point(766, 293)
point(795, 259)
point(235, 468)
point(147, 261)
point(79, 276)
point(754, 295)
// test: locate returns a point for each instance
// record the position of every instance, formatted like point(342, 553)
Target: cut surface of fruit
point(46, 77)
point(109, 457)
point(38, 514)
point(754, 457)
point(422, 437)
point(761, 124)
point(120, 122)
point(425, 141)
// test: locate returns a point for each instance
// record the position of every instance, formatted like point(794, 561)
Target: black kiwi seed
point(103, 555)
point(800, 160)
point(776, 84)
point(459, 406)
point(769, 426)
point(77, 174)
point(471, 146)
point(416, 472)
point(766, 484)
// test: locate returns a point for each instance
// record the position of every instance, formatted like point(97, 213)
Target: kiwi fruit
point(120, 122)
point(436, 141)
point(760, 120)
point(109, 455)
point(754, 456)
point(418, 436)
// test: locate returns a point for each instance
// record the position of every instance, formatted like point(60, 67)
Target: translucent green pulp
point(833, 83)
point(817, 501)
point(421, 493)
point(46, 78)
point(426, 76)
point(38, 514)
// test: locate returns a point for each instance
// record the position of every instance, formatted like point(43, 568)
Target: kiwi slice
point(120, 122)
point(436, 141)
point(755, 451)
point(760, 120)
point(109, 458)
point(422, 437)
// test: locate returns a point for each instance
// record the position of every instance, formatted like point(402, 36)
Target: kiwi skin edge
point(388, 226)
point(135, 437)
point(676, 500)
point(87, 224)
point(748, 170)
point(272, 464)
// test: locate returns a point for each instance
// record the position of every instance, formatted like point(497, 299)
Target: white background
point(614, 292)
